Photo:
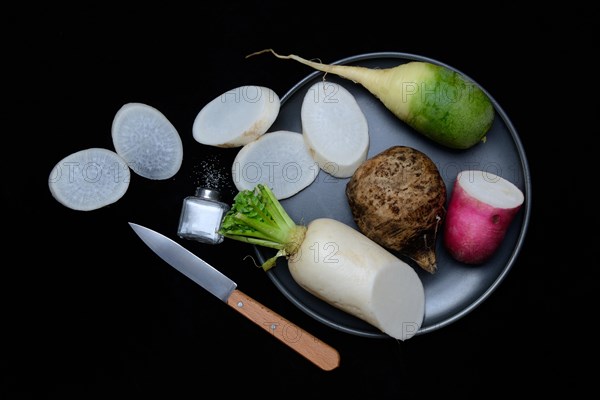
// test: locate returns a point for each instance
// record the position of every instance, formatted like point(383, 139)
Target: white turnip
point(335, 128)
point(278, 159)
point(333, 261)
point(436, 101)
point(236, 117)
point(89, 179)
point(147, 141)
point(481, 208)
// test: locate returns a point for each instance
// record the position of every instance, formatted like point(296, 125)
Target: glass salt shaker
point(201, 217)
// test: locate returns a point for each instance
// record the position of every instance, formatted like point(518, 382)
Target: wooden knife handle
point(316, 351)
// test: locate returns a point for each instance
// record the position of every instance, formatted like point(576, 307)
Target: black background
point(89, 312)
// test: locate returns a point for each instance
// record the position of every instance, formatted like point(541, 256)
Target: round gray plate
point(455, 289)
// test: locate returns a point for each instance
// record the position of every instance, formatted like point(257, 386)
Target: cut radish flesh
point(89, 179)
point(335, 129)
point(481, 208)
point(236, 117)
point(279, 160)
point(147, 141)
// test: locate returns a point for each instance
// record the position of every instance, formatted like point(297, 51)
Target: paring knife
point(199, 271)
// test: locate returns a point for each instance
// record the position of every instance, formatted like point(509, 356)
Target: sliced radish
point(279, 160)
point(236, 117)
point(147, 141)
point(335, 129)
point(481, 208)
point(89, 179)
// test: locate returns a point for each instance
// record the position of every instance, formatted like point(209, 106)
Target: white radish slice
point(279, 160)
point(89, 179)
point(236, 117)
point(147, 141)
point(335, 129)
point(481, 209)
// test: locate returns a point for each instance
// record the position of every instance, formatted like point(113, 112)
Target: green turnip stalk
point(258, 218)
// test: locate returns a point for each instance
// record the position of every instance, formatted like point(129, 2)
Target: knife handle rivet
point(240, 304)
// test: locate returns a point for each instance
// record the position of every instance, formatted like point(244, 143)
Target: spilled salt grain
point(211, 174)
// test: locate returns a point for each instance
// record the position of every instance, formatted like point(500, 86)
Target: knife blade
point(212, 280)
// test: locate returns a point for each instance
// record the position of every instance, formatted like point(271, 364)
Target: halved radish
point(332, 261)
point(481, 208)
point(236, 117)
point(147, 141)
point(89, 179)
point(335, 128)
point(279, 160)
point(341, 266)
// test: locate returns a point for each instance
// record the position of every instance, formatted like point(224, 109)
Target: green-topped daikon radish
point(332, 261)
point(436, 101)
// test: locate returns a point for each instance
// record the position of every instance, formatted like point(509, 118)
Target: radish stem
point(355, 74)
point(258, 218)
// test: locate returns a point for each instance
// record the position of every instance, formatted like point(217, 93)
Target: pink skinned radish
point(481, 208)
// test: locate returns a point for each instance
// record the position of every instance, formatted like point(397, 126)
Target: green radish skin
point(434, 100)
point(446, 107)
